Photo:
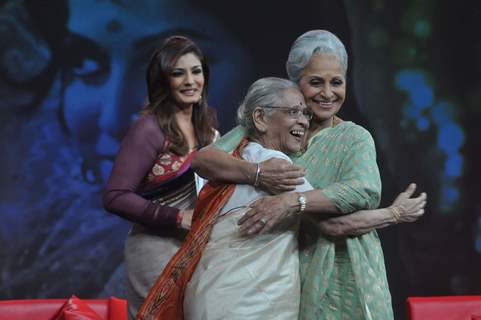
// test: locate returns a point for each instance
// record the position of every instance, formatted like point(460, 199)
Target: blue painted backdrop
point(72, 80)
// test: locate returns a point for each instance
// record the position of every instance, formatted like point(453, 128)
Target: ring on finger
point(263, 220)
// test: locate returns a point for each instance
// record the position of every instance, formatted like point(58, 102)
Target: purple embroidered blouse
point(138, 152)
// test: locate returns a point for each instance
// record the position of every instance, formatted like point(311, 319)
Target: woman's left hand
point(266, 212)
point(279, 175)
point(186, 222)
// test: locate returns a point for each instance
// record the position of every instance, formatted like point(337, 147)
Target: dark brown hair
point(161, 103)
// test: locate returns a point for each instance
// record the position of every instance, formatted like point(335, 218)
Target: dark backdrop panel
point(72, 80)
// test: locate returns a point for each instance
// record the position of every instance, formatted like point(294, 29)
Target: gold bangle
point(396, 213)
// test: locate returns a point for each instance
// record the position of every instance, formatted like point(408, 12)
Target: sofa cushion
point(46, 309)
point(76, 309)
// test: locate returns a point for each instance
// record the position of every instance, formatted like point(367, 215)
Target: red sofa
point(444, 308)
point(45, 309)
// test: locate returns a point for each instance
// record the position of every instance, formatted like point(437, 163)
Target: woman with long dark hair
point(151, 183)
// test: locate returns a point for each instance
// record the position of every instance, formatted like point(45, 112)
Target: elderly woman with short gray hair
point(341, 261)
point(240, 277)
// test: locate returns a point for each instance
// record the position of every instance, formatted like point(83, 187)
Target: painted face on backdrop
point(110, 47)
point(187, 80)
point(323, 83)
point(287, 125)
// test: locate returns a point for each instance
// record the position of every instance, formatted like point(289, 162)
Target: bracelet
point(396, 213)
point(258, 171)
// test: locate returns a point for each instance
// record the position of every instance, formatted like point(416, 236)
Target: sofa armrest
point(444, 307)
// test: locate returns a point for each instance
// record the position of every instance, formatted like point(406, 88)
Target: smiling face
point(104, 87)
point(186, 81)
point(323, 84)
point(284, 131)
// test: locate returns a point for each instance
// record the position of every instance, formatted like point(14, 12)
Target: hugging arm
point(357, 187)
point(404, 209)
point(215, 163)
point(358, 190)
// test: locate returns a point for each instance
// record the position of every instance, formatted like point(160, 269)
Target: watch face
point(302, 202)
point(302, 199)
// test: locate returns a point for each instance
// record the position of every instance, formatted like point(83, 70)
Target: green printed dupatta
point(342, 278)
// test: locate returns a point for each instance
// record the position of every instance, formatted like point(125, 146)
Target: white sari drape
point(247, 278)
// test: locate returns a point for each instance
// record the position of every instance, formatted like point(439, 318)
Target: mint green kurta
point(342, 278)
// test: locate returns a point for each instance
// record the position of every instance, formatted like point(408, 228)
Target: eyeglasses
point(294, 112)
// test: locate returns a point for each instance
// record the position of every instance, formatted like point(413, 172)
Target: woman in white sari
point(239, 277)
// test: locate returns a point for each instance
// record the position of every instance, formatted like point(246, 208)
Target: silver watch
point(302, 202)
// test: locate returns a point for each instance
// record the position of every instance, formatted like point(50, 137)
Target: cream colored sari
point(246, 278)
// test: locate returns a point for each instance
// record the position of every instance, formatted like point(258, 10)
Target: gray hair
point(263, 92)
point(310, 43)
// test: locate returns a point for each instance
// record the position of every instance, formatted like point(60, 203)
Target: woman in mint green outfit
point(343, 276)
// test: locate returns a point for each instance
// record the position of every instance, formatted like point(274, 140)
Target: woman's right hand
point(407, 209)
point(278, 176)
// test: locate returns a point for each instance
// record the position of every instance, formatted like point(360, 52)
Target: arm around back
point(215, 163)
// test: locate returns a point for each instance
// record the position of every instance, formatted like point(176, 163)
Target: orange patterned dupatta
point(166, 298)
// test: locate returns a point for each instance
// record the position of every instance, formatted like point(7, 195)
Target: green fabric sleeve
point(231, 139)
point(359, 183)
